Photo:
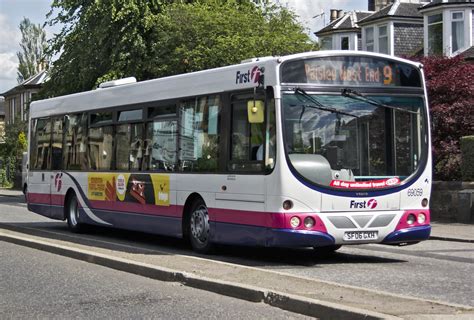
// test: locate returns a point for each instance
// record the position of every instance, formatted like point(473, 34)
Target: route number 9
point(387, 74)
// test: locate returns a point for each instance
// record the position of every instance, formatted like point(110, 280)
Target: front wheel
point(199, 229)
point(72, 214)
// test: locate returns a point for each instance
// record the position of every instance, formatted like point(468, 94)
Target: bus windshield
point(354, 142)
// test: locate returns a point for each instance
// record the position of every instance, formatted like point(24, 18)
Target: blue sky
point(13, 11)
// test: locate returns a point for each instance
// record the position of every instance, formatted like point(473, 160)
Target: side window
point(199, 139)
point(100, 148)
point(40, 144)
point(122, 139)
point(136, 146)
point(57, 143)
point(247, 140)
point(129, 141)
point(75, 142)
point(160, 145)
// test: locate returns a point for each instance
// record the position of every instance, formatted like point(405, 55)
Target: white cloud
point(10, 37)
point(8, 68)
point(307, 9)
point(9, 34)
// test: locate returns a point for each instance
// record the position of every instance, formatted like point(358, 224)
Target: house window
point(435, 34)
point(326, 43)
point(383, 39)
point(369, 39)
point(344, 43)
point(457, 29)
point(12, 110)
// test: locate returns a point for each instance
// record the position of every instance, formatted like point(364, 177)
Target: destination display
point(351, 71)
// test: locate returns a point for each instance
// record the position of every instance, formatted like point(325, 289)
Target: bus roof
point(246, 75)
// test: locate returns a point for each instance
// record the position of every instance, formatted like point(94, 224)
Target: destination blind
point(351, 71)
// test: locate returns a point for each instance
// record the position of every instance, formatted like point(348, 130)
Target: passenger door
point(56, 176)
point(39, 193)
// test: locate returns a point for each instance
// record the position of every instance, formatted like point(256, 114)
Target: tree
point(104, 40)
point(451, 99)
point(192, 37)
point(32, 57)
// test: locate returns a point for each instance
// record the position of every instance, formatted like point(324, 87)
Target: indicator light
point(295, 222)
point(421, 218)
point(309, 222)
point(287, 204)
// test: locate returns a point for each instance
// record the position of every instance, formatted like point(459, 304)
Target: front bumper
point(414, 234)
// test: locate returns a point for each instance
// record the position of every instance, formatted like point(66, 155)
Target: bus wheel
point(72, 214)
point(199, 228)
point(326, 250)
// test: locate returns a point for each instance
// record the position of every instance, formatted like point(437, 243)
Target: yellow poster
point(161, 187)
point(101, 186)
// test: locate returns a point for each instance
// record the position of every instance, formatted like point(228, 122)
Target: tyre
point(326, 250)
point(199, 228)
point(72, 214)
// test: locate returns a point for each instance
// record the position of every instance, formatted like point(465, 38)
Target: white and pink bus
point(318, 149)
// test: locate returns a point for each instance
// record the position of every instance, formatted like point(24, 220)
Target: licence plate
point(360, 235)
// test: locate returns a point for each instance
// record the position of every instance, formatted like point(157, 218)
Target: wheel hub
point(200, 224)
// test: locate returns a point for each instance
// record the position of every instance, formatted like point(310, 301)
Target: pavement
point(308, 296)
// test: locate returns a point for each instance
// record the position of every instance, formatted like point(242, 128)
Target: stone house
point(18, 98)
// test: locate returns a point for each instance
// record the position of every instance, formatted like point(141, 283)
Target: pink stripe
point(170, 211)
point(57, 199)
point(43, 198)
point(253, 218)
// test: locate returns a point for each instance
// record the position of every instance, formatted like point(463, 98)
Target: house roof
point(437, 3)
point(468, 54)
point(395, 10)
point(35, 81)
point(348, 22)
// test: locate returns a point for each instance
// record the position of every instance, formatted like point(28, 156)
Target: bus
point(318, 150)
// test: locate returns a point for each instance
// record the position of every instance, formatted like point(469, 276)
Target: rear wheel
point(72, 214)
point(199, 228)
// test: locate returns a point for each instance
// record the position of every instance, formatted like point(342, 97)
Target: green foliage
point(15, 140)
point(105, 40)
point(32, 57)
point(451, 97)
point(467, 156)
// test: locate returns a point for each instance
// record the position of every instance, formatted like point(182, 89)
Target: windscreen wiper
point(359, 96)
point(318, 105)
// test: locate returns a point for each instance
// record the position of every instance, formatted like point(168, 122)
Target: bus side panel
point(39, 197)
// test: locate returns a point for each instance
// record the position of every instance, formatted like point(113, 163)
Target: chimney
point(334, 15)
point(371, 5)
point(340, 13)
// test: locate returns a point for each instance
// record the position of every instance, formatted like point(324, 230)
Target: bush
point(451, 97)
point(467, 163)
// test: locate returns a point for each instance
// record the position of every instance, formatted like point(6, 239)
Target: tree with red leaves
point(450, 85)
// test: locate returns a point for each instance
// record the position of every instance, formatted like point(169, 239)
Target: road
point(435, 270)
point(41, 285)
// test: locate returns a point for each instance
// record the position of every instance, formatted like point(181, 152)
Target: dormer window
point(326, 43)
point(457, 33)
point(344, 43)
point(369, 39)
point(435, 34)
point(383, 39)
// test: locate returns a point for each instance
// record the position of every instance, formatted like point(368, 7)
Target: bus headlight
point(421, 218)
point(411, 218)
point(295, 222)
point(308, 222)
